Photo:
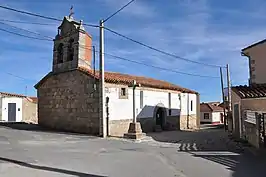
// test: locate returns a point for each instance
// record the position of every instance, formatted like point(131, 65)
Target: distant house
point(17, 108)
point(211, 113)
point(251, 97)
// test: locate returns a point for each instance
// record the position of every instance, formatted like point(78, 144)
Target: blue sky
point(207, 31)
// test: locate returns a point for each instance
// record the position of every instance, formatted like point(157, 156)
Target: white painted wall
point(5, 101)
point(123, 108)
point(213, 117)
point(216, 117)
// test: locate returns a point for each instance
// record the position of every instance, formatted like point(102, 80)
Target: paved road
point(186, 154)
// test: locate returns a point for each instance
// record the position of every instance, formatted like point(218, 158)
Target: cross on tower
point(71, 11)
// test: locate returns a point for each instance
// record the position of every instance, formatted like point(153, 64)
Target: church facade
point(69, 99)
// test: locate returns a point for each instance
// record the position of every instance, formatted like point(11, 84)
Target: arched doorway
point(160, 117)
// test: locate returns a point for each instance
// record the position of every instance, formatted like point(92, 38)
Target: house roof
point(126, 79)
point(12, 94)
point(32, 99)
point(207, 107)
point(253, 91)
point(253, 45)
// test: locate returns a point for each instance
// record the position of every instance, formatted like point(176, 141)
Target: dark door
point(222, 117)
point(159, 117)
point(11, 112)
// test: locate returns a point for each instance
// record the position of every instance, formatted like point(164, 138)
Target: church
point(69, 97)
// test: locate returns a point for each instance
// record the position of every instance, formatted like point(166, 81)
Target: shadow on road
point(215, 145)
point(63, 171)
point(35, 127)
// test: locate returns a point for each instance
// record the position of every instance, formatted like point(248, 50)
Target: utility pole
point(229, 95)
point(224, 106)
point(103, 129)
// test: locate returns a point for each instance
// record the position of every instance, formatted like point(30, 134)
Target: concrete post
point(102, 126)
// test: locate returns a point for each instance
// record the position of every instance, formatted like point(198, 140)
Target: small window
point(18, 109)
point(252, 68)
point(60, 53)
point(253, 76)
point(123, 93)
point(252, 61)
point(191, 105)
point(206, 116)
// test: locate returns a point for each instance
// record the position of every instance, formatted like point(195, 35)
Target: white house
point(211, 113)
point(69, 96)
point(17, 108)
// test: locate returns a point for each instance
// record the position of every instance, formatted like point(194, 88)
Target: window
point(253, 76)
point(70, 50)
point(141, 99)
point(206, 116)
point(60, 53)
point(123, 93)
point(191, 105)
point(252, 61)
point(252, 68)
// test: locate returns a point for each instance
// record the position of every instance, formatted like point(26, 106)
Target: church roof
point(126, 79)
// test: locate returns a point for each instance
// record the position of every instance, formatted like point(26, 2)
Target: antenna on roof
point(71, 12)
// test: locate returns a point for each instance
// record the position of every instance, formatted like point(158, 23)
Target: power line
point(38, 15)
point(19, 77)
point(153, 66)
point(118, 10)
point(25, 22)
point(27, 30)
point(161, 51)
point(18, 34)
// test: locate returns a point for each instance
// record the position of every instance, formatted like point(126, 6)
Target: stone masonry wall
point(29, 111)
point(67, 101)
point(191, 121)
point(119, 127)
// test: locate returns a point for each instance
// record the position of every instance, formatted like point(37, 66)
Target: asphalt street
point(207, 153)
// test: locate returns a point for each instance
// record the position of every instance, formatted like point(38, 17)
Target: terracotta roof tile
point(34, 99)
point(253, 91)
point(207, 107)
point(126, 79)
point(12, 94)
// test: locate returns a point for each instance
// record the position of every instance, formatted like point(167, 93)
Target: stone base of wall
point(80, 125)
point(120, 127)
point(251, 134)
point(188, 122)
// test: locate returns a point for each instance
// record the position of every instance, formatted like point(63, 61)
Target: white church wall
point(123, 108)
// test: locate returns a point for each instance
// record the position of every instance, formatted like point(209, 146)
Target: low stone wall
point(251, 134)
point(29, 111)
point(120, 127)
point(189, 122)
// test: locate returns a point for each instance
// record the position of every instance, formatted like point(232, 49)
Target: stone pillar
point(134, 131)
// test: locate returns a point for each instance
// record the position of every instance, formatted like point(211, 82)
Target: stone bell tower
point(72, 46)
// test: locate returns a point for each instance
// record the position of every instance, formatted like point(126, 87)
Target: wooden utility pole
point(224, 106)
point(229, 94)
point(103, 127)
